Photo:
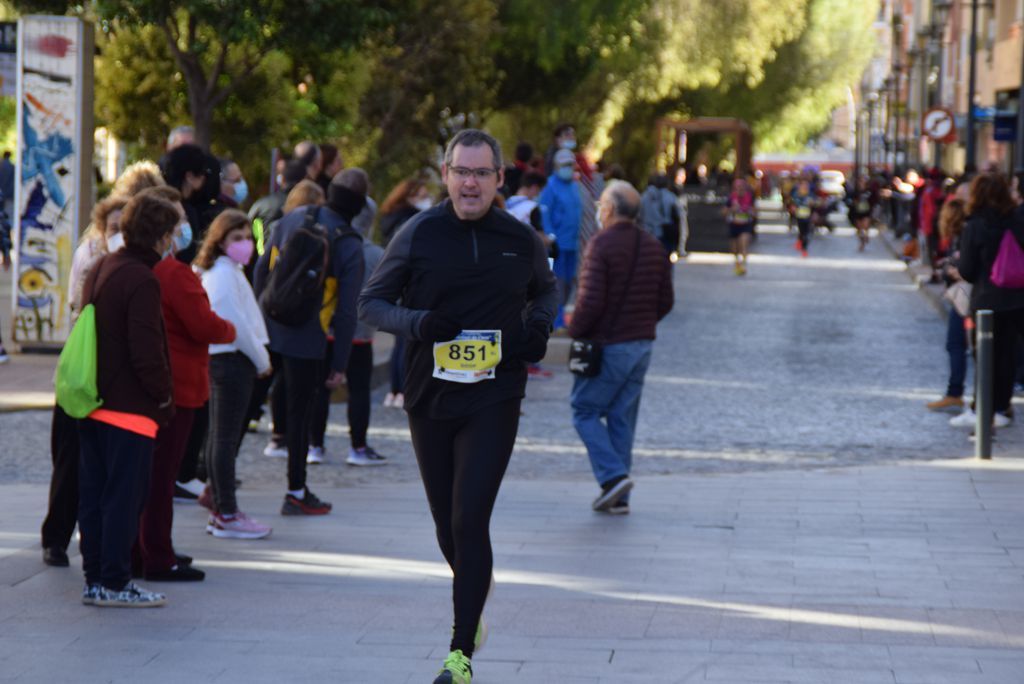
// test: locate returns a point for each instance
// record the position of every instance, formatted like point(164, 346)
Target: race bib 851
point(471, 357)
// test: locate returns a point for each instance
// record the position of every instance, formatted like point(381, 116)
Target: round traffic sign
point(937, 123)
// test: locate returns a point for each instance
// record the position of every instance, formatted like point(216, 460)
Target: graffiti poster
point(53, 193)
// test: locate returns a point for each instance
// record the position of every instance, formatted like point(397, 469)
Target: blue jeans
point(565, 274)
point(605, 408)
point(956, 345)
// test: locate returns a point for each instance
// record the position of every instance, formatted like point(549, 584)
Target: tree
point(431, 65)
point(218, 46)
point(781, 65)
point(140, 95)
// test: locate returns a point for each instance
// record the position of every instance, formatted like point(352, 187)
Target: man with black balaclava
point(302, 347)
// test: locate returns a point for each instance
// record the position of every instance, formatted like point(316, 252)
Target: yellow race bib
point(471, 357)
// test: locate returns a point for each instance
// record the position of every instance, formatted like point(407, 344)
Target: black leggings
point(462, 462)
point(804, 226)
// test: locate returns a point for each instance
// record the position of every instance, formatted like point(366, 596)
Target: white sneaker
point(315, 455)
point(275, 450)
point(365, 457)
point(399, 401)
point(193, 486)
point(967, 419)
point(389, 400)
point(1001, 420)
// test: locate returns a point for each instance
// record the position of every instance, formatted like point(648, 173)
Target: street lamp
point(1020, 129)
point(913, 54)
point(972, 82)
point(940, 14)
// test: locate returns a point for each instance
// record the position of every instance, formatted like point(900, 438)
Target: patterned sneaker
point(275, 449)
point(315, 455)
point(238, 526)
point(309, 504)
point(365, 456)
point(90, 592)
point(456, 670)
point(131, 596)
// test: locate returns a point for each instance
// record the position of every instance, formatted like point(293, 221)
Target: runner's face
point(472, 194)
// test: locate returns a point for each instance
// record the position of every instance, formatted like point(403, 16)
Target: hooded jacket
point(561, 210)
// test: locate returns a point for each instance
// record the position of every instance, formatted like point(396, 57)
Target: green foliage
point(431, 65)
point(388, 80)
point(784, 78)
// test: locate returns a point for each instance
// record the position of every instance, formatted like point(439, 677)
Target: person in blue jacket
point(561, 211)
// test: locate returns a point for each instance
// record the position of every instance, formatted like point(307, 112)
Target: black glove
point(534, 343)
point(438, 327)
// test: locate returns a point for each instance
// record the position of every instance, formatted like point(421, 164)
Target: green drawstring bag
point(75, 379)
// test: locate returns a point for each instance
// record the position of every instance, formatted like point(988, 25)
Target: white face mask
point(115, 242)
point(597, 217)
point(423, 204)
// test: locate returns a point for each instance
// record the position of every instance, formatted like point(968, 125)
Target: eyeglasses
point(463, 173)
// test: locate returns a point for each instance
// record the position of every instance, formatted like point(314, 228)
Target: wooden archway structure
point(672, 136)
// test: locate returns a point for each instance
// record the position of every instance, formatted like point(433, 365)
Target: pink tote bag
point(1008, 268)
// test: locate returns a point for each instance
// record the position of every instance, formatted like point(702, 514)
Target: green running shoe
point(456, 670)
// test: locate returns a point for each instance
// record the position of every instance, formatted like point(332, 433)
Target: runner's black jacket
point(488, 274)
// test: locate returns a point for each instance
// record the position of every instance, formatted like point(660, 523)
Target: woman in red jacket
point(191, 328)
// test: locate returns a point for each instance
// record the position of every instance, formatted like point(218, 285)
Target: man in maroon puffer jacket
point(625, 288)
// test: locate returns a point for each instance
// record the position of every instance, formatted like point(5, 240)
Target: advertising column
point(53, 191)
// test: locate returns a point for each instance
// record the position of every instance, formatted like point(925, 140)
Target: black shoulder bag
point(585, 355)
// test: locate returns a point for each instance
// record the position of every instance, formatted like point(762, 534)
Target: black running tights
point(462, 462)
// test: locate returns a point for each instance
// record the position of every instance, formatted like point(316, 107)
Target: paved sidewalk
point(896, 573)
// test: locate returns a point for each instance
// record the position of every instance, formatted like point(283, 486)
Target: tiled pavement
point(897, 573)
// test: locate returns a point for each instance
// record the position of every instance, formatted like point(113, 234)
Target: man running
point(478, 300)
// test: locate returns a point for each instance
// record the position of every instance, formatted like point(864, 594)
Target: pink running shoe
point(239, 526)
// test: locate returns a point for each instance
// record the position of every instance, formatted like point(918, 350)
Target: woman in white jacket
point(234, 367)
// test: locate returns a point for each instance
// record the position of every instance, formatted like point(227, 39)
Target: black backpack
point(295, 287)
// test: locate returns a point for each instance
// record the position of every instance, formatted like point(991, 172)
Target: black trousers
point(62, 514)
point(231, 379)
point(462, 462)
point(1008, 327)
point(298, 379)
point(113, 482)
point(322, 403)
point(359, 375)
point(193, 465)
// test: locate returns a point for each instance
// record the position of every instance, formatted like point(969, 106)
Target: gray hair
point(177, 131)
point(472, 137)
point(624, 198)
point(307, 151)
point(354, 178)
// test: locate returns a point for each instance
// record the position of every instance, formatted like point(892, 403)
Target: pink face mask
point(240, 251)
